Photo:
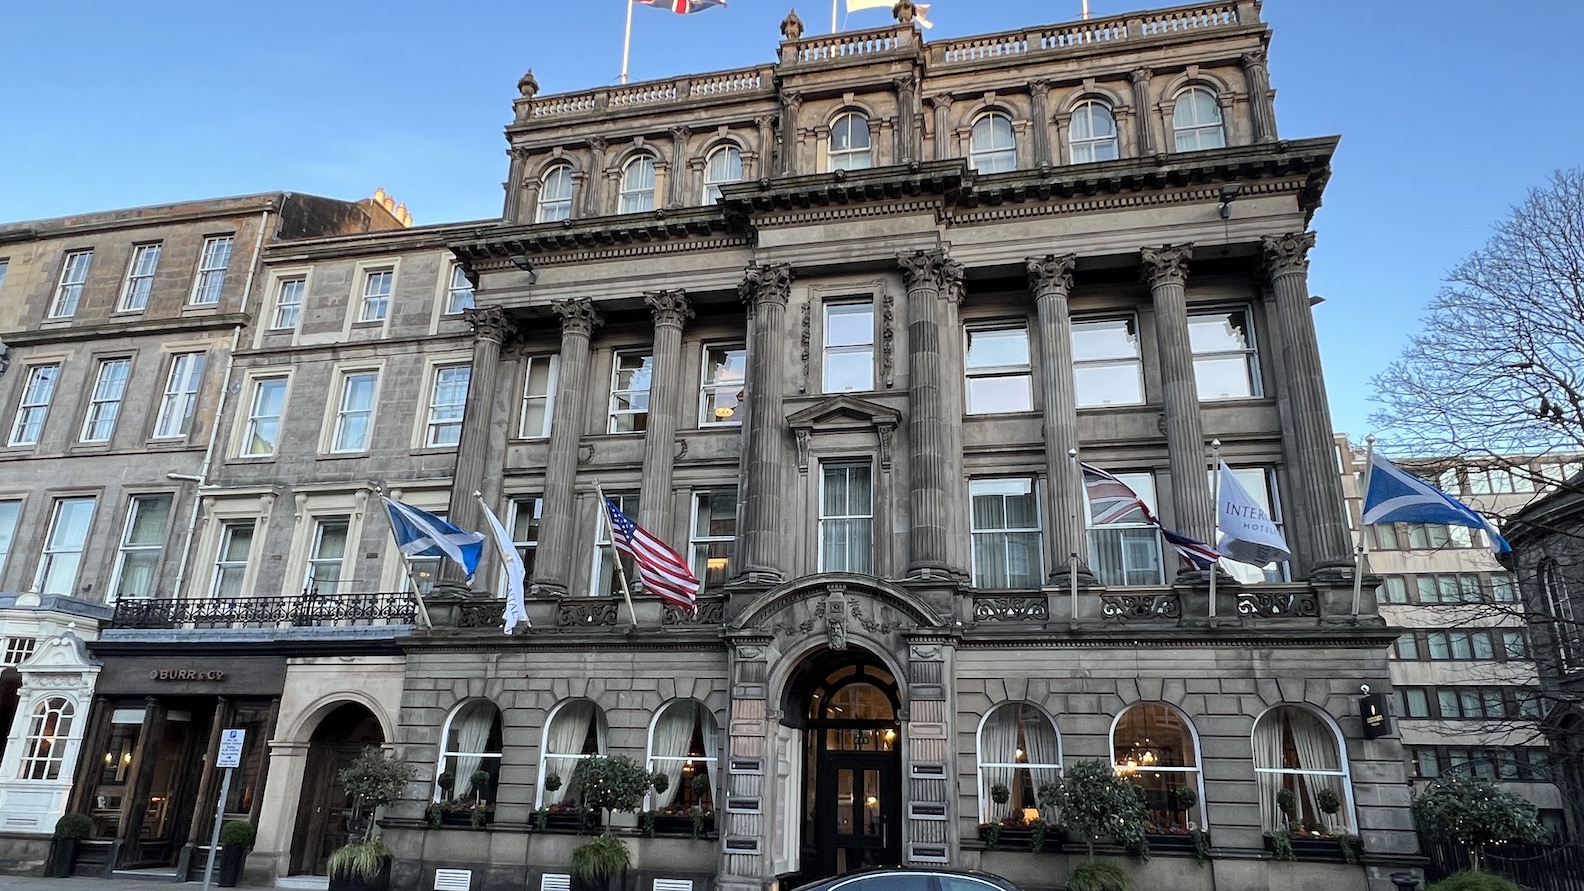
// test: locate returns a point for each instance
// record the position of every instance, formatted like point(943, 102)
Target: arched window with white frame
point(723, 166)
point(576, 730)
point(1154, 747)
point(470, 760)
point(684, 743)
point(49, 730)
point(849, 143)
point(638, 185)
point(1092, 135)
point(1020, 751)
point(555, 195)
point(992, 146)
point(1196, 120)
point(1298, 750)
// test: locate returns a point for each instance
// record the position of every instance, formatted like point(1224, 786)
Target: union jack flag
point(681, 7)
point(1112, 501)
point(662, 570)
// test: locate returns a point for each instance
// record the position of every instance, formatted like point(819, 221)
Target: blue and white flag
point(516, 573)
point(1395, 496)
point(422, 534)
point(1248, 534)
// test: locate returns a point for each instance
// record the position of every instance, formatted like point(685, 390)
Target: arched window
point(1020, 750)
point(993, 148)
point(1296, 749)
point(682, 745)
point(723, 166)
point(1153, 747)
point(1093, 133)
point(849, 143)
point(470, 761)
point(1196, 119)
point(576, 730)
point(638, 185)
point(555, 194)
point(48, 731)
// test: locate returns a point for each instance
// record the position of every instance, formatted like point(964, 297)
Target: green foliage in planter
point(552, 783)
point(1281, 845)
point(1351, 846)
point(605, 856)
point(1095, 802)
point(1328, 802)
point(1037, 832)
point(1186, 797)
point(1000, 794)
point(476, 817)
point(700, 817)
point(1475, 813)
point(1471, 880)
point(991, 833)
point(446, 781)
point(374, 780)
point(237, 832)
point(436, 814)
point(478, 780)
point(1201, 843)
point(73, 826)
point(659, 782)
point(646, 824)
point(701, 785)
point(358, 859)
point(1093, 876)
point(1287, 803)
point(614, 783)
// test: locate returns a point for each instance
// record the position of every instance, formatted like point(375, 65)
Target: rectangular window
point(525, 516)
point(5, 266)
point(1125, 551)
point(1000, 378)
point(1395, 589)
point(142, 540)
point(212, 270)
point(355, 412)
point(139, 278)
point(1515, 645)
point(447, 402)
point(459, 293)
point(1223, 351)
point(1004, 514)
point(34, 404)
point(262, 436)
point(18, 650)
point(606, 582)
point(74, 274)
point(181, 396)
point(1260, 484)
point(631, 374)
point(1107, 366)
point(538, 401)
point(1503, 588)
point(1386, 536)
point(231, 558)
point(721, 390)
point(1407, 647)
point(63, 546)
point(1416, 703)
point(288, 303)
point(104, 402)
point(9, 512)
point(328, 554)
point(376, 295)
point(846, 518)
point(714, 539)
point(849, 347)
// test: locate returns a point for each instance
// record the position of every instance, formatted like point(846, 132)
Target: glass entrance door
point(857, 812)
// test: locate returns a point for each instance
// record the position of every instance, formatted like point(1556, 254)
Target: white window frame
point(104, 400)
point(552, 364)
point(1196, 773)
point(374, 303)
point(1023, 371)
point(729, 170)
point(986, 803)
point(714, 388)
point(1083, 145)
point(853, 156)
point(130, 549)
point(212, 265)
point(710, 759)
point(445, 417)
point(1261, 484)
point(855, 518)
point(139, 281)
point(857, 348)
point(257, 419)
point(1339, 748)
point(520, 506)
point(5, 266)
point(615, 414)
point(73, 278)
point(56, 549)
point(1136, 480)
point(34, 404)
point(1135, 362)
point(288, 314)
point(1249, 353)
point(225, 564)
point(342, 411)
point(179, 404)
point(553, 207)
point(1191, 133)
point(48, 738)
point(986, 152)
point(601, 738)
point(317, 560)
point(605, 582)
point(1006, 534)
point(633, 195)
point(701, 541)
point(447, 752)
point(459, 292)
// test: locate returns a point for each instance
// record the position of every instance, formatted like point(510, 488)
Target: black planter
point(63, 856)
point(229, 869)
point(463, 818)
point(1325, 850)
point(378, 882)
point(1170, 842)
point(681, 826)
point(571, 822)
point(1021, 838)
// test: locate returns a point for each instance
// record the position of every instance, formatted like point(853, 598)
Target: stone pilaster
point(1167, 270)
point(516, 184)
point(760, 165)
point(790, 103)
point(1144, 135)
point(1262, 104)
point(491, 328)
point(553, 559)
point(907, 135)
point(1317, 505)
point(934, 468)
point(942, 103)
point(1050, 280)
point(1039, 96)
point(671, 313)
point(592, 195)
point(676, 182)
point(767, 452)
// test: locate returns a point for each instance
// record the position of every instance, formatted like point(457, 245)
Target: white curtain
point(672, 734)
point(710, 731)
point(564, 744)
point(470, 734)
point(998, 746)
point(1317, 750)
point(1043, 747)
point(1268, 754)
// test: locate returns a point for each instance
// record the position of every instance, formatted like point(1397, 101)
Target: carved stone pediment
point(837, 607)
point(844, 413)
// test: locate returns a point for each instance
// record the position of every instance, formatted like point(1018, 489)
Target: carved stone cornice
point(771, 283)
point(1051, 273)
point(932, 268)
point(671, 308)
point(578, 315)
point(490, 323)
point(1285, 254)
point(1167, 264)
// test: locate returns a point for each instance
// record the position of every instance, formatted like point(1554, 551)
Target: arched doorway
point(321, 808)
point(847, 702)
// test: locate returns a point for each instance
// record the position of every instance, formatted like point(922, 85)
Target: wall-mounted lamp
point(1316, 300)
point(521, 262)
point(1229, 193)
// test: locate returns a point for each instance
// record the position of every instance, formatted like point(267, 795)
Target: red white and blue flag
point(1112, 501)
point(680, 7)
point(662, 570)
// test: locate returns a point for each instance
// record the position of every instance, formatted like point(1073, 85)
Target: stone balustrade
point(646, 94)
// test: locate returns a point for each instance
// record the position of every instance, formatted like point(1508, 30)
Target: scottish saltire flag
point(422, 534)
point(1395, 496)
point(680, 7)
point(1113, 501)
point(516, 574)
point(1248, 534)
point(662, 570)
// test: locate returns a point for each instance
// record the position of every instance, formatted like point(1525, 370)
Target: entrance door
point(322, 805)
point(856, 820)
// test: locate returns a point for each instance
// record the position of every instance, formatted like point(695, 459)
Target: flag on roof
point(1112, 501)
point(422, 534)
point(680, 7)
point(1396, 496)
point(662, 570)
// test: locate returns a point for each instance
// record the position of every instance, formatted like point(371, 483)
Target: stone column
point(907, 135)
point(1050, 280)
point(593, 203)
point(943, 104)
point(1039, 94)
point(767, 451)
point(1317, 503)
point(671, 312)
point(790, 103)
point(1167, 269)
point(491, 328)
point(760, 167)
point(930, 276)
point(1144, 135)
point(676, 181)
point(1262, 106)
point(553, 560)
point(515, 184)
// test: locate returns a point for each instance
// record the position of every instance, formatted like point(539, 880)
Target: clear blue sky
point(1449, 111)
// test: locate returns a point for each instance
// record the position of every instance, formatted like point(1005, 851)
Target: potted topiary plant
point(374, 780)
point(1475, 813)
point(616, 784)
point(69, 830)
point(600, 864)
point(1095, 802)
point(236, 839)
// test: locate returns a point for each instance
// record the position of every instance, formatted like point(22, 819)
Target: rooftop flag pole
point(1361, 550)
point(1215, 479)
point(626, 51)
point(834, 5)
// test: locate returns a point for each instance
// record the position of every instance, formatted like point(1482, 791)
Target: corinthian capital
point(1140, 75)
point(578, 315)
point(932, 268)
point(1167, 264)
point(1288, 253)
point(490, 323)
point(669, 307)
point(1253, 59)
point(766, 284)
point(1051, 273)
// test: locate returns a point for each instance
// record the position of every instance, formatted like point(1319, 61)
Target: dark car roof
point(825, 884)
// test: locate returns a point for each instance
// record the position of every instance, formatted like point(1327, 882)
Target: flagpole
point(621, 571)
point(1361, 550)
point(1215, 492)
point(626, 50)
point(834, 4)
point(1072, 514)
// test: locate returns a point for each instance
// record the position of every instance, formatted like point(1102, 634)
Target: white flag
point(920, 10)
point(1248, 534)
point(515, 573)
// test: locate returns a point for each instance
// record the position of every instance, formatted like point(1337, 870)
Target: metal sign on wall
point(197, 675)
point(1375, 715)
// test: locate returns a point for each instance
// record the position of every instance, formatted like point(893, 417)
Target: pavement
point(28, 883)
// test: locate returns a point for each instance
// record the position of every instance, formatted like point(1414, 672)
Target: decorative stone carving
point(904, 11)
point(711, 611)
point(598, 143)
point(836, 617)
point(1286, 254)
point(1167, 264)
point(1125, 607)
point(931, 268)
point(585, 612)
point(887, 339)
point(884, 433)
point(804, 356)
point(802, 437)
point(1011, 609)
point(578, 315)
point(490, 323)
point(766, 284)
point(792, 27)
point(528, 85)
point(481, 614)
point(1253, 59)
point(1271, 605)
point(669, 307)
point(1051, 273)
point(1140, 76)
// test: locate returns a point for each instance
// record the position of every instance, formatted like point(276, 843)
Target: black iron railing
point(297, 611)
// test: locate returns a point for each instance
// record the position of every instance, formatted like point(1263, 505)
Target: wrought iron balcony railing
point(297, 611)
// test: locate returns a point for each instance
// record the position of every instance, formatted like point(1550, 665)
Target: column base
point(1331, 571)
point(756, 576)
point(545, 589)
point(935, 572)
point(1063, 578)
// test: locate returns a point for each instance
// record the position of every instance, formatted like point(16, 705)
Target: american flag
point(662, 570)
point(680, 7)
point(1112, 501)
